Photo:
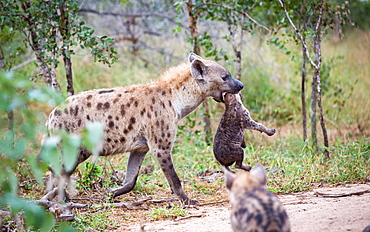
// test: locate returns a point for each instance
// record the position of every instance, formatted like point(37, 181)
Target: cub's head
point(232, 99)
point(213, 77)
point(242, 181)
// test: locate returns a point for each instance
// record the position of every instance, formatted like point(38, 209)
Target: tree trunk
point(65, 33)
point(47, 73)
point(313, 109)
point(68, 67)
point(194, 34)
point(303, 91)
point(196, 49)
point(319, 102)
point(237, 47)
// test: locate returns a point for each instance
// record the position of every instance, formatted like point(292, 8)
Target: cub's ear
point(198, 69)
point(229, 177)
point(193, 56)
point(259, 173)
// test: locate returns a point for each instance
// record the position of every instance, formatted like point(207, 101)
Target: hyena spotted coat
point(254, 208)
point(144, 117)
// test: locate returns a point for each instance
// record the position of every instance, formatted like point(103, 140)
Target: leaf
point(13, 181)
point(37, 171)
point(71, 143)
point(93, 137)
point(50, 153)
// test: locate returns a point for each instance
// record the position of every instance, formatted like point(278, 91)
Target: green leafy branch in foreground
point(19, 130)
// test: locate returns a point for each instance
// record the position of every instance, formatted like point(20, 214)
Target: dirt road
point(343, 208)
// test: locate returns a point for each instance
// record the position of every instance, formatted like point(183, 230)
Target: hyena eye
point(225, 77)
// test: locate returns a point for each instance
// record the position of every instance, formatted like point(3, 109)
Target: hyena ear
point(193, 56)
point(198, 69)
point(259, 173)
point(229, 177)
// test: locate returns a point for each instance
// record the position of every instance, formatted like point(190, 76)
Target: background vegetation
point(149, 37)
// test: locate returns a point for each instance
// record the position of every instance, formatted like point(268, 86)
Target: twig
point(23, 64)
point(4, 212)
point(187, 217)
point(132, 15)
point(341, 194)
point(213, 203)
point(156, 201)
point(239, 11)
point(85, 199)
point(299, 34)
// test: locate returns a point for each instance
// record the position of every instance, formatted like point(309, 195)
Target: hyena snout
point(233, 86)
point(238, 85)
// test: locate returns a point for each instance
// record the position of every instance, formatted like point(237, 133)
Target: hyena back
point(144, 117)
point(253, 208)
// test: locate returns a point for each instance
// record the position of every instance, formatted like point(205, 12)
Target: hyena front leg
point(133, 167)
point(164, 159)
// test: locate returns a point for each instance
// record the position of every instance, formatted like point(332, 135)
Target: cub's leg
point(239, 160)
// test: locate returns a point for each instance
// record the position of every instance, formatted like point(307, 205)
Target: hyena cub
point(253, 208)
point(229, 139)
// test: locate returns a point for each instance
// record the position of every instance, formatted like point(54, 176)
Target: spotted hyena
point(144, 117)
point(253, 208)
point(229, 139)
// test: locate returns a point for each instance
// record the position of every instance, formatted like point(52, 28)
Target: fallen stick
point(187, 217)
point(156, 201)
point(341, 194)
point(213, 203)
point(62, 211)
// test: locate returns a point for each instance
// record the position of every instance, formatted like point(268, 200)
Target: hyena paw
point(191, 202)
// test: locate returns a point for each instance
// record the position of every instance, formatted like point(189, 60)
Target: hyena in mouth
point(229, 139)
point(254, 208)
point(144, 117)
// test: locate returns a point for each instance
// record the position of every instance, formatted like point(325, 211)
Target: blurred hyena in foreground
point(253, 207)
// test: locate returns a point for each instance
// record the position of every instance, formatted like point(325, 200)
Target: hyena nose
point(239, 85)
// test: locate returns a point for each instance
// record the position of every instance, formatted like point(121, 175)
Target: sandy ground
point(308, 211)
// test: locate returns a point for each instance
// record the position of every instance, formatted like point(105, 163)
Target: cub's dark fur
point(229, 139)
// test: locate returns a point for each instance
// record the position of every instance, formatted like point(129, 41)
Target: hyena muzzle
point(144, 117)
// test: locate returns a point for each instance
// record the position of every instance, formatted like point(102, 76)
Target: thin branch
point(341, 194)
point(132, 15)
point(239, 11)
point(23, 64)
point(299, 34)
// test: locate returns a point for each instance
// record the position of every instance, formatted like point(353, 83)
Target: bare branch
point(132, 15)
point(23, 64)
point(299, 34)
point(239, 11)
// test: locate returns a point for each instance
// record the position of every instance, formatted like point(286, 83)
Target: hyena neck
point(186, 92)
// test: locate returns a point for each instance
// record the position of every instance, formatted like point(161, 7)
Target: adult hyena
point(144, 117)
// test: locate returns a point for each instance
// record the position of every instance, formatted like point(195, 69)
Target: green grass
point(171, 212)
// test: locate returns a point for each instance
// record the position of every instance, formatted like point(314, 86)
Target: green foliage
point(98, 222)
point(19, 125)
point(20, 128)
point(54, 25)
point(90, 173)
point(172, 212)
